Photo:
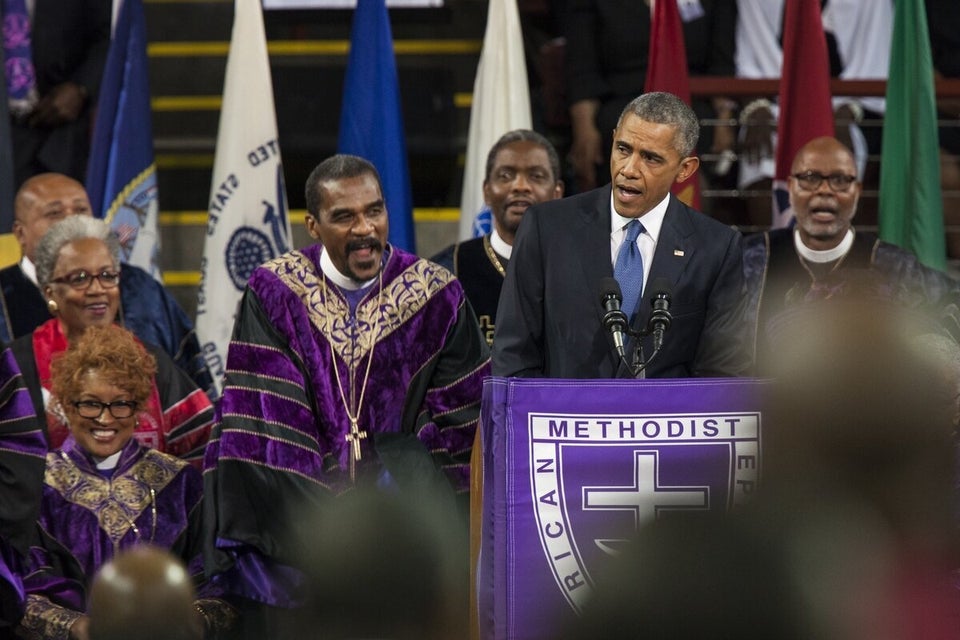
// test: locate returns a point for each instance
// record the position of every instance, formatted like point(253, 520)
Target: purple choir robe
point(22, 451)
point(87, 518)
point(279, 445)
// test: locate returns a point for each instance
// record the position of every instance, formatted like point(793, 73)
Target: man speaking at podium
point(558, 312)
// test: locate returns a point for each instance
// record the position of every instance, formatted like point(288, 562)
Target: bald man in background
point(823, 256)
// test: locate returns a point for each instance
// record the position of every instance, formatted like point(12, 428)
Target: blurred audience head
point(382, 565)
point(861, 406)
point(144, 593)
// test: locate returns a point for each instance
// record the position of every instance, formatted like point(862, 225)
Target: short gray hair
point(71, 229)
point(665, 108)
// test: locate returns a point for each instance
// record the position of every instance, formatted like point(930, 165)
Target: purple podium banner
point(572, 467)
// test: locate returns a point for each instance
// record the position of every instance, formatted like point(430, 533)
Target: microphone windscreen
point(661, 287)
point(610, 288)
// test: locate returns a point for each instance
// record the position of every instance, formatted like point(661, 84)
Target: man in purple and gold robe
point(352, 363)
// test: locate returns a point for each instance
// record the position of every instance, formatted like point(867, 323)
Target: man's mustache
point(365, 243)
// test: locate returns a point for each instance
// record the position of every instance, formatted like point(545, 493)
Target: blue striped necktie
point(629, 269)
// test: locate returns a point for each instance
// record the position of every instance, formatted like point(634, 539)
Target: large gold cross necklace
point(353, 407)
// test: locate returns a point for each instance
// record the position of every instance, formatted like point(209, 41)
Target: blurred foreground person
point(852, 533)
point(148, 589)
point(385, 566)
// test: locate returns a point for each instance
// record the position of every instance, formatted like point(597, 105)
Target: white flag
point(248, 222)
point(501, 103)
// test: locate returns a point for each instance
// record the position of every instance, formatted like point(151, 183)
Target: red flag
point(805, 109)
point(667, 71)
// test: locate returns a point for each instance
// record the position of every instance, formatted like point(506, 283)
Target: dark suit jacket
point(69, 42)
point(549, 322)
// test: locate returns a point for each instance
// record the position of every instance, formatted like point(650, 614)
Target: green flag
point(911, 209)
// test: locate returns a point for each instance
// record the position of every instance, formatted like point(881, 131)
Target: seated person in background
point(607, 50)
point(146, 308)
point(523, 169)
point(78, 270)
point(148, 589)
point(104, 491)
point(22, 450)
point(858, 45)
point(823, 254)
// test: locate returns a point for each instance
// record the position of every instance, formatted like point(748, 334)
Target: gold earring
point(53, 306)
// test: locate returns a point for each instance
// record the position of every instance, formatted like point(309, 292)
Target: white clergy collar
point(652, 220)
point(828, 255)
point(29, 270)
point(108, 463)
point(500, 245)
point(342, 281)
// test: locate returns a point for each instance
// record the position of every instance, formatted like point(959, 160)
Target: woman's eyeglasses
point(82, 280)
point(93, 409)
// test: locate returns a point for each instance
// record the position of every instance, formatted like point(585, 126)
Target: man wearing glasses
point(823, 256)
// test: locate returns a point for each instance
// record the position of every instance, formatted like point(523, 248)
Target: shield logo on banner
point(597, 478)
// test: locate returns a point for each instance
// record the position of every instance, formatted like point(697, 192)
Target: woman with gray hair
point(78, 270)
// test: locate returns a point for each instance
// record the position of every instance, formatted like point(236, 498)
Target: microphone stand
point(639, 365)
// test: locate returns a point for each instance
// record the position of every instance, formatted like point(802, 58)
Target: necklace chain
point(353, 407)
point(493, 257)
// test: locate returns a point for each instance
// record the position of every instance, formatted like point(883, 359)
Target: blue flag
point(122, 175)
point(371, 125)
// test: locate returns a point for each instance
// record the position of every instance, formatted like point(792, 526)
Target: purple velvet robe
point(279, 445)
point(22, 451)
point(86, 519)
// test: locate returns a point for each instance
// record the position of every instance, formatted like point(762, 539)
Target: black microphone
point(614, 319)
point(660, 319)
